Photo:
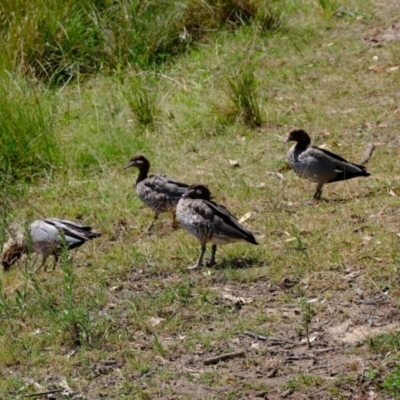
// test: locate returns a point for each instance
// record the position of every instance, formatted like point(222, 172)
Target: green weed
point(242, 92)
point(28, 145)
point(308, 313)
point(392, 383)
point(142, 101)
point(58, 41)
point(385, 342)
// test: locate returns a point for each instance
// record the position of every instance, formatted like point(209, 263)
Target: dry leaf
point(64, 384)
point(367, 239)
point(379, 69)
point(288, 203)
point(154, 321)
point(245, 217)
point(392, 193)
point(242, 300)
point(277, 174)
point(234, 163)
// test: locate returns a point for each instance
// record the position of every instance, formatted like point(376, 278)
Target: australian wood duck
point(209, 222)
point(158, 192)
point(48, 237)
point(319, 165)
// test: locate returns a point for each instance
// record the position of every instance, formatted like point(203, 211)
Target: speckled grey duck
point(209, 222)
point(158, 192)
point(319, 165)
point(47, 237)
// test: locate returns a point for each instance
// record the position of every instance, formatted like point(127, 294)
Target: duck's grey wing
point(332, 160)
point(73, 229)
point(70, 224)
point(73, 238)
point(328, 153)
point(226, 224)
point(170, 187)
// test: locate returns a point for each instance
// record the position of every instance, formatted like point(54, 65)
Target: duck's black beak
point(130, 164)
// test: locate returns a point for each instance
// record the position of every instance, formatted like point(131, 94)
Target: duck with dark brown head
point(209, 222)
point(158, 192)
point(319, 165)
point(48, 237)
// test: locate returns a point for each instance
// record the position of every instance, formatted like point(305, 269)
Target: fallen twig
point(224, 357)
point(319, 351)
point(255, 335)
point(275, 341)
point(290, 359)
point(272, 340)
point(368, 153)
point(371, 301)
point(43, 393)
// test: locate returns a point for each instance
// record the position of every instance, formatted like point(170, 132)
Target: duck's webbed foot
point(200, 260)
point(193, 267)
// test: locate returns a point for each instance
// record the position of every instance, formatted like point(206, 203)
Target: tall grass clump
point(149, 32)
point(142, 101)
point(55, 40)
point(51, 40)
point(28, 147)
point(242, 92)
point(329, 7)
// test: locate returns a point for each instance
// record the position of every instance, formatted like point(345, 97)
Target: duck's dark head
point(142, 163)
point(138, 161)
point(12, 255)
point(198, 192)
point(298, 135)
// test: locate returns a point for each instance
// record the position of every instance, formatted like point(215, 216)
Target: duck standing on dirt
point(319, 165)
point(48, 237)
point(158, 192)
point(209, 222)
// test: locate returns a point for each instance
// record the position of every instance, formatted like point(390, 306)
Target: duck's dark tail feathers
point(345, 174)
point(251, 239)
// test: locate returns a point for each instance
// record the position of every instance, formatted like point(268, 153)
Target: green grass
point(27, 137)
point(58, 41)
point(242, 79)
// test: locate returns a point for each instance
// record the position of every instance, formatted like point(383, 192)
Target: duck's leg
point(211, 261)
point(317, 194)
point(43, 263)
point(175, 223)
point(55, 261)
point(150, 227)
point(200, 260)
